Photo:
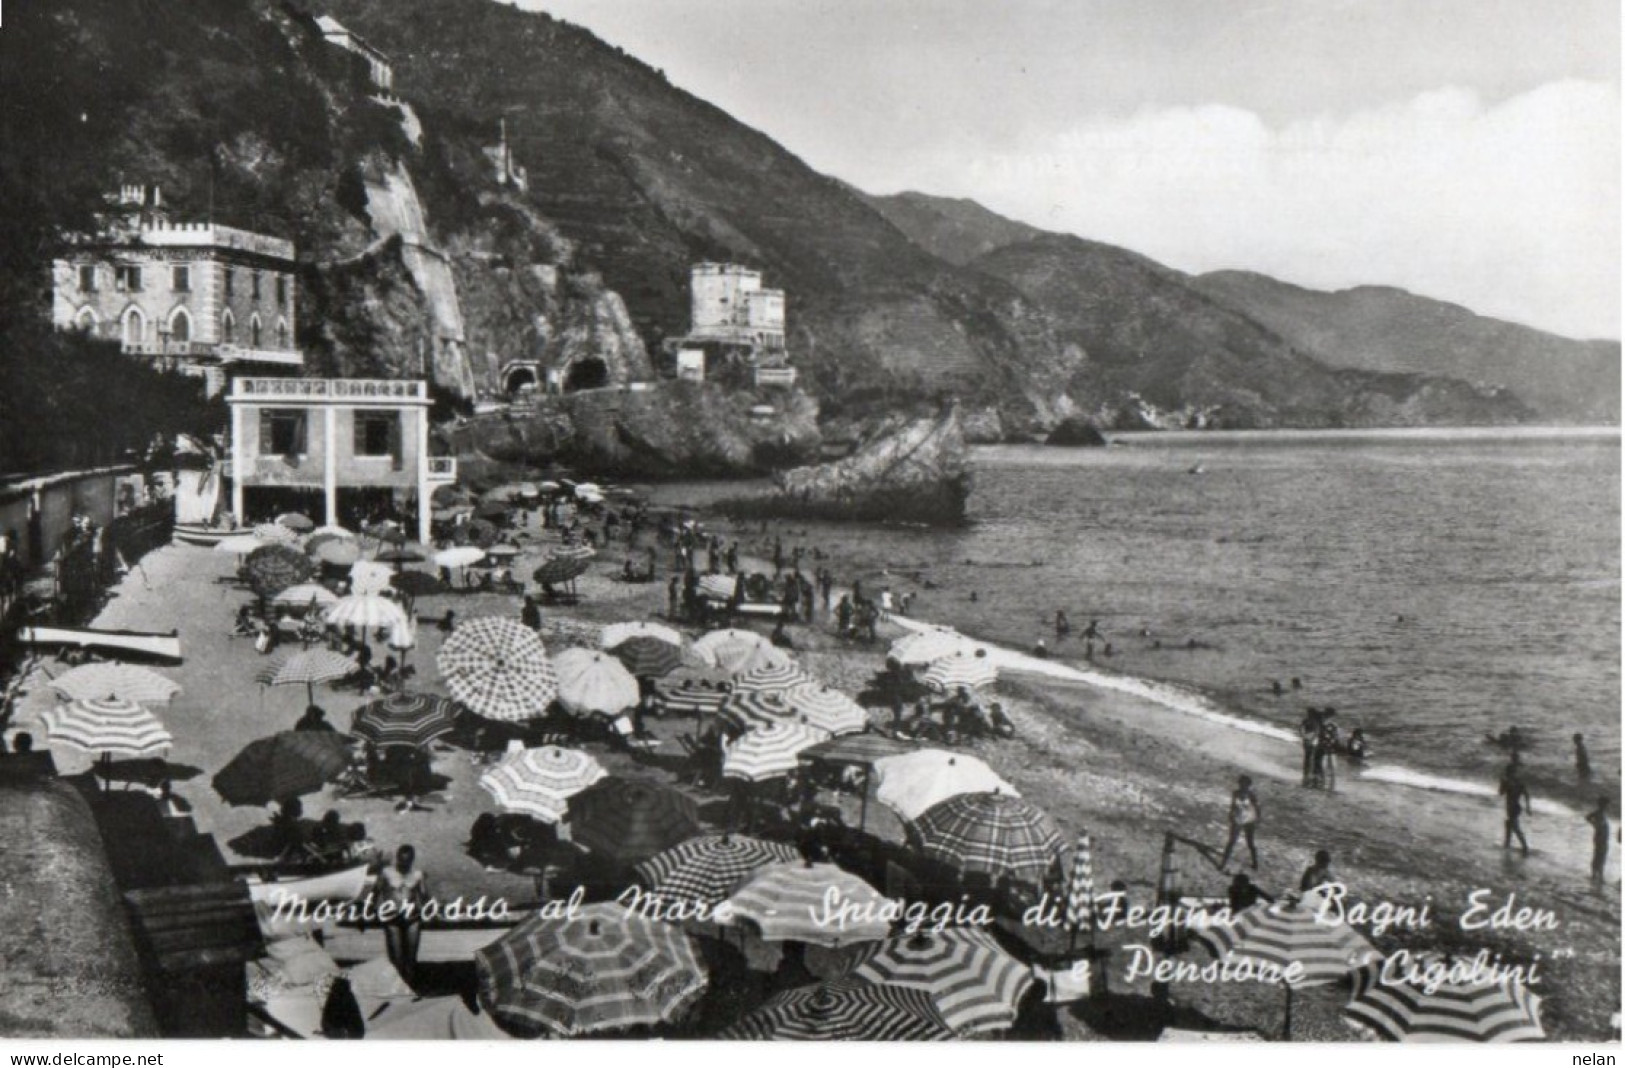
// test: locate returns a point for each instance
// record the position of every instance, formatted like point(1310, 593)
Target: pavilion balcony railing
point(295, 389)
point(776, 376)
point(230, 353)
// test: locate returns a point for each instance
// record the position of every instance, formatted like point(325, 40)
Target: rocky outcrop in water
point(912, 471)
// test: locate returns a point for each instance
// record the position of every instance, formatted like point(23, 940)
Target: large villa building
point(733, 318)
point(337, 448)
point(199, 297)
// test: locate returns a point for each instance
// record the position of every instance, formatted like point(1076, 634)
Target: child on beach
point(1598, 818)
point(1244, 813)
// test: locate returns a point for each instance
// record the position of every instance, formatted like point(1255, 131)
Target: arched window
point(228, 327)
point(254, 331)
point(135, 326)
point(282, 334)
point(180, 325)
point(86, 320)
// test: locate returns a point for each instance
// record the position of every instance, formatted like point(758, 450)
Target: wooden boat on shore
point(204, 535)
point(166, 646)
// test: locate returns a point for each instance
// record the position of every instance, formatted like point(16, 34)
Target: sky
point(1467, 150)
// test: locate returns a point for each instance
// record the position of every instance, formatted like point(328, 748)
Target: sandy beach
point(1095, 754)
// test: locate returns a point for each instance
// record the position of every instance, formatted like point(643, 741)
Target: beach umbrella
point(417, 583)
point(717, 587)
point(296, 522)
point(334, 529)
point(127, 682)
point(338, 552)
point(573, 552)
point(239, 544)
point(304, 595)
point(614, 634)
point(459, 556)
point(630, 819)
point(787, 903)
point(275, 534)
point(561, 569)
point(848, 1010)
point(960, 669)
point(772, 676)
point(1284, 934)
point(974, 984)
point(605, 969)
point(762, 709)
point(691, 700)
point(592, 682)
point(405, 720)
point(308, 667)
point(911, 783)
point(499, 669)
point(369, 576)
point(994, 834)
point(538, 782)
point(826, 709)
point(386, 531)
point(365, 612)
point(1401, 1009)
point(286, 764)
point(647, 656)
point(738, 660)
point(705, 870)
point(922, 647)
point(110, 726)
point(273, 568)
point(769, 751)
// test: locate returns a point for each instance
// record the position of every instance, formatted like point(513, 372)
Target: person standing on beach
point(401, 886)
point(1582, 759)
point(1598, 818)
point(1244, 814)
point(1309, 735)
point(1326, 750)
point(1516, 795)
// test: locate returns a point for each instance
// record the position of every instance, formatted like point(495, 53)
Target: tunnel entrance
point(590, 373)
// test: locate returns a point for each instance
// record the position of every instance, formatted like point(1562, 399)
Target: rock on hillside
point(1376, 328)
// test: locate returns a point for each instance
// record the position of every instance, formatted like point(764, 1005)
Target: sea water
point(1431, 586)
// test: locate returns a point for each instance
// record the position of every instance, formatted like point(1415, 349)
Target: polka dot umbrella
point(499, 669)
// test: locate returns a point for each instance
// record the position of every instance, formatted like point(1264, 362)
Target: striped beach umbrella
point(770, 751)
point(365, 612)
point(592, 682)
point(307, 667)
point(826, 709)
point(912, 783)
point(286, 764)
point(614, 634)
point(707, 869)
point(846, 1010)
point(336, 551)
point(561, 569)
point(715, 646)
point(109, 726)
point(404, 720)
point(974, 984)
point(539, 782)
point(499, 669)
point(994, 834)
point(127, 682)
point(631, 819)
point(771, 677)
point(573, 552)
point(1456, 1010)
point(604, 969)
point(746, 711)
point(305, 594)
point(275, 533)
point(960, 669)
point(691, 699)
point(717, 587)
point(922, 647)
point(788, 902)
point(334, 529)
point(273, 568)
point(1080, 891)
point(647, 656)
point(1284, 934)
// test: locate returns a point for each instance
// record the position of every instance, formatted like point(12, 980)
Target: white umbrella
point(594, 683)
point(922, 647)
point(910, 783)
point(239, 544)
point(459, 556)
point(369, 576)
point(127, 682)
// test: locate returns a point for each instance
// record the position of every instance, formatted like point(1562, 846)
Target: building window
point(127, 278)
point(135, 327)
point(282, 290)
point(228, 326)
point(182, 279)
point(86, 320)
point(180, 326)
point(282, 334)
point(377, 433)
point(282, 432)
point(230, 282)
point(87, 278)
point(254, 332)
point(255, 285)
